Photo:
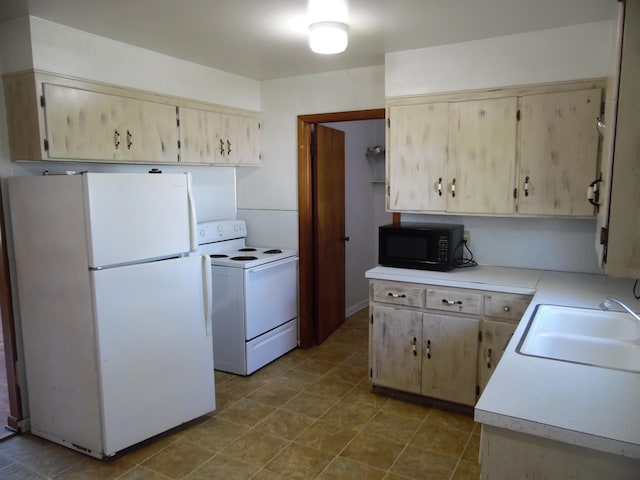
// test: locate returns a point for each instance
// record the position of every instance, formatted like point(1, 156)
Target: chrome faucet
point(606, 305)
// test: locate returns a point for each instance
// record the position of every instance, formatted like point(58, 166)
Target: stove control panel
point(220, 230)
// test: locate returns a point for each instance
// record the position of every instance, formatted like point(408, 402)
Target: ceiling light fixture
point(328, 26)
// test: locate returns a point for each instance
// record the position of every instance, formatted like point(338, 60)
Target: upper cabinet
point(219, 138)
point(86, 125)
point(618, 236)
point(526, 151)
point(558, 152)
point(51, 117)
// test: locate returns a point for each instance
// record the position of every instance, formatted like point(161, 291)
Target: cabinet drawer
point(398, 293)
point(506, 305)
point(454, 301)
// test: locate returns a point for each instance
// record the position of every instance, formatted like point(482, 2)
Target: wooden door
point(482, 156)
point(558, 152)
point(329, 225)
point(396, 338)
point(495, 336)
point(450, 349)
point(417, 157)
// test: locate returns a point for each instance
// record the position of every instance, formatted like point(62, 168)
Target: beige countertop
point(593, 407)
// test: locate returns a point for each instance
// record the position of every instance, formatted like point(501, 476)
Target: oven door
point(271, 296)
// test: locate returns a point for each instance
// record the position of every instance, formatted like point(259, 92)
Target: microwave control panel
point(443, 249)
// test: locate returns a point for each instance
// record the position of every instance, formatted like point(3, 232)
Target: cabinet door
point(558, 152)
point(395, 348)
point(417, 156)
point(86, 125)
point(243, 142)
point(450, 349)
point(482, 156)
point(495, 336)
point(202, 136)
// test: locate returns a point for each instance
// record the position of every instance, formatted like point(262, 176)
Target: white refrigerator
point(115, 315)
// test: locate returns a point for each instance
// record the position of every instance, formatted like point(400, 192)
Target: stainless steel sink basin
point(580, 335)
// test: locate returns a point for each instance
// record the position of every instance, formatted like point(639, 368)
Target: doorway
point(306, 206)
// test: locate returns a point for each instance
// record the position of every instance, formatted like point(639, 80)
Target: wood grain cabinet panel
point(558, 152)
point(218, 138)
point(86, 125)
point(495, 337)
point(482, 153)
point(417, 162)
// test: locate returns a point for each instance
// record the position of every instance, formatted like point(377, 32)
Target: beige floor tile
point(309, 404)
point(373, 450)
point(215, 435)
point(315, 366)
point(349, 416)
point(51, 460)
point(453, 420)
point(326, 437)
point(420, 464)
point(225, 468)
point(345, 469)
point(472, 449)
point(406, 409)
point(335, 353)
point(255, 447)
point(362, 395)
point(329, 388)
point(466, 471)
point(178, 459)
point(284, 424)
point(346, 374)
point(441, 439)
point(274, 395)
point(142, 473)
point(246, 412)
point(15, 471)
point(265, 474)
point(299, 462)
point(96, 469)
point(238, 387)
point(392, 427)
point(19, 447)
point(296, 379)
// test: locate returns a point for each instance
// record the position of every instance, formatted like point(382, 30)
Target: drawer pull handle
point(452, 302)
point(428, 349)
point(413, 347)
point(489, 358)
point(116, 139)
point(396, 295)
point(507, 308)
point(440, 186)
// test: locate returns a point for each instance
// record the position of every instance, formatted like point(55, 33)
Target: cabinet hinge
point(518, 115)
point(515, 193)
point(42, 102)
point(46, 145)
point(388, 189)
point(371, 373)
point(178, 116)
point(371, 319)
point(477, 390)
point(480, 336)
point(259, 126)
point(604, 235)
point(388, 123)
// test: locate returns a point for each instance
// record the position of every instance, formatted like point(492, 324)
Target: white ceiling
point(265, 39)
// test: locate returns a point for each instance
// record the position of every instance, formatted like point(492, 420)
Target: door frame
point(305, 211)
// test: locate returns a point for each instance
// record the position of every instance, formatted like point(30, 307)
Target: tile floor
point(309, 415)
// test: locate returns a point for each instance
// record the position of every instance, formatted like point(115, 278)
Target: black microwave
point(423, 246)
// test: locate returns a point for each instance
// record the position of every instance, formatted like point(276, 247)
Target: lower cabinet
point(442, 343)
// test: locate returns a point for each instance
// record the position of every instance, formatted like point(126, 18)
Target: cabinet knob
point(396, 295)
point(507, 308)
point(414, 346)
point(453, 188)
point(452, 302)
point(427, 349)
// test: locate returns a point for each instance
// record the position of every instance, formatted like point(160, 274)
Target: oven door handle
point(277, 263)
point(207, 293)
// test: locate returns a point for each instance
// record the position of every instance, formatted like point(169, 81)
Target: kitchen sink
point(581, 335)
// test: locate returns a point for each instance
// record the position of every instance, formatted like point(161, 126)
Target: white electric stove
point(255, 298)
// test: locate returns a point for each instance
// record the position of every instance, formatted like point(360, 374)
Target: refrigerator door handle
point(193, 221)
point(208, 294)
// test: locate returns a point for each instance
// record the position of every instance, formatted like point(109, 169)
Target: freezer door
point(133, 217)
point(155, 348)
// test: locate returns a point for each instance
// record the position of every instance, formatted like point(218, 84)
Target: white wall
point(576, 52)
point(363, 209)
point(270, 193)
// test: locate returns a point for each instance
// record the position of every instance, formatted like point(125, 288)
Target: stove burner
point(247, 249)
point(244, 258)
point(218, 255)
point(273, 250)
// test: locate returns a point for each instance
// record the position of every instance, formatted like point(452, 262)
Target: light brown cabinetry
point(86, 125)
point(529, 151)
point(558, 152)
point(52, 117)
point(218, 138)
point(438, 342)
